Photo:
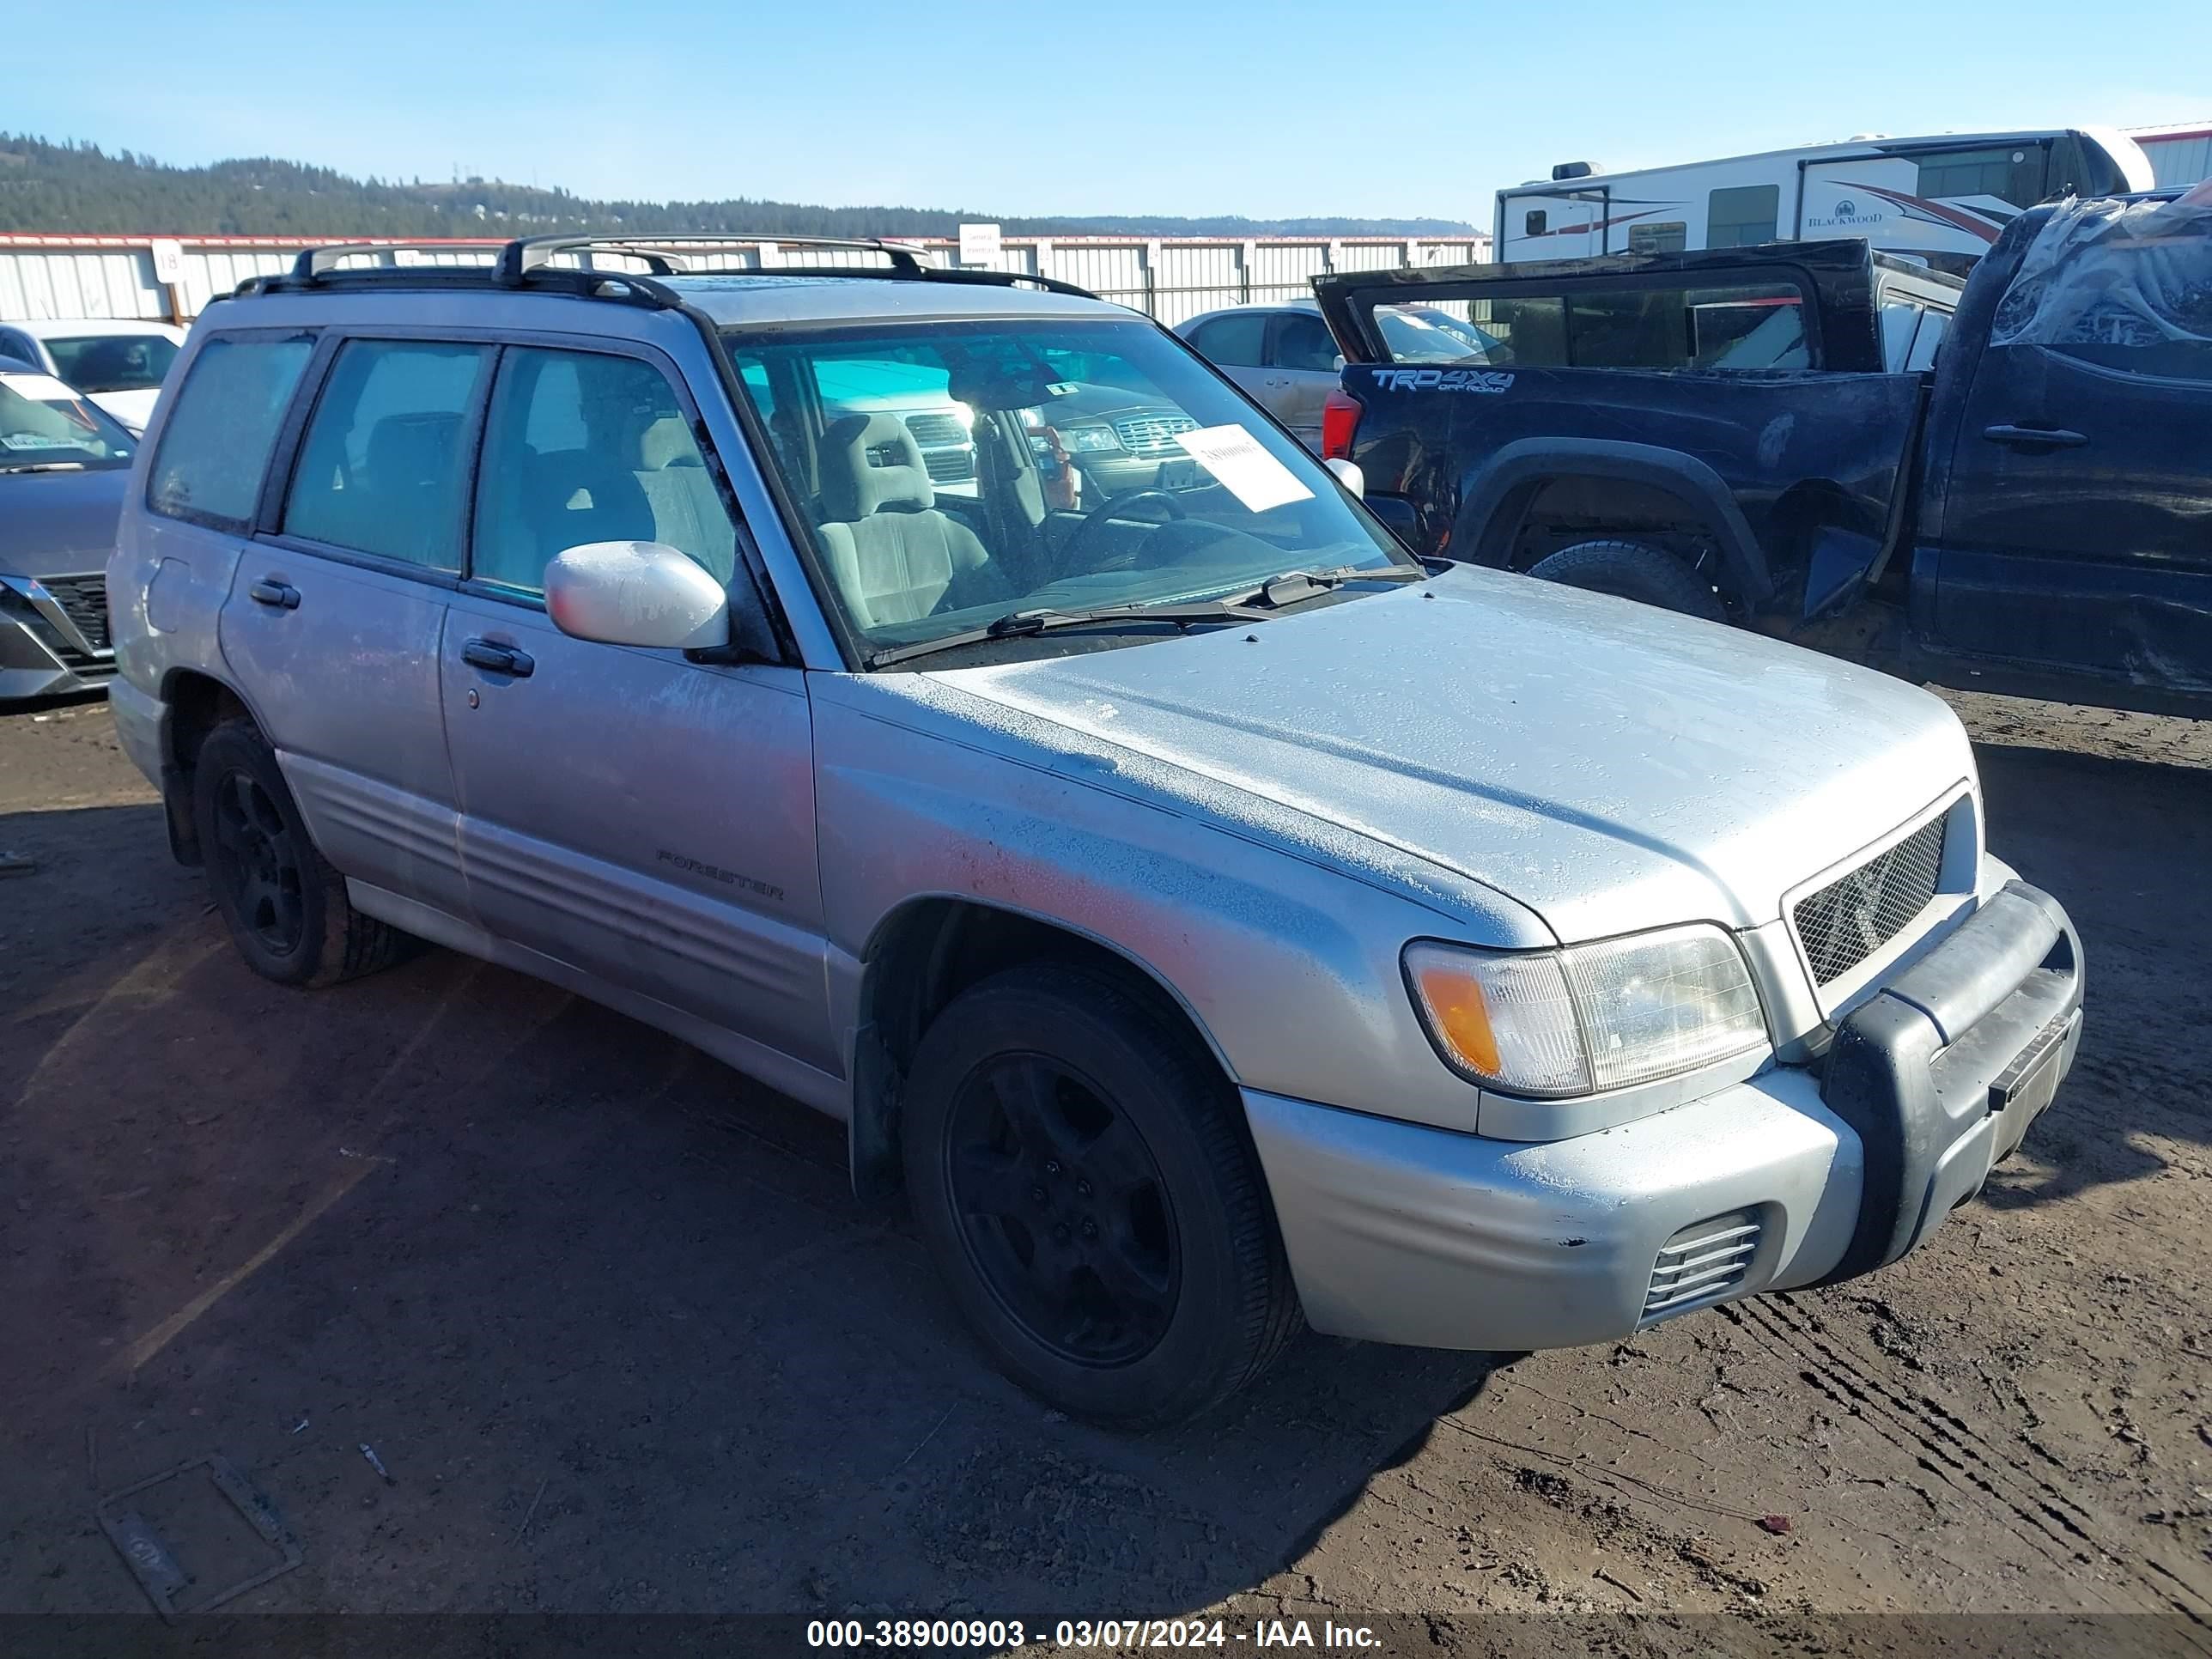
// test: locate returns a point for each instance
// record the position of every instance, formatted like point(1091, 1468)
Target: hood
point(60, 524)
point(133, 409)
point(1611, 766)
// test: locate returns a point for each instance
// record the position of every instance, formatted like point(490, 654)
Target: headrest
point(667, 442)
point(870, 462)
point(411, 449)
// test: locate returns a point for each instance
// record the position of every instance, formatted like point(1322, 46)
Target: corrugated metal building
point(1170, 277)
point(2180, 153)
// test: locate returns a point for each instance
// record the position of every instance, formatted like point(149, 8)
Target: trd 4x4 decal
point(1442, 379)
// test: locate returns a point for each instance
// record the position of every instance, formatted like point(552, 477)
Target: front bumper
point(1397, 1232)
point(48, 647)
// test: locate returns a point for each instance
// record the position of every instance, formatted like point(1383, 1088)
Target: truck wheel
point(1632, 570)
point(287, 908)
point(1084, 1178)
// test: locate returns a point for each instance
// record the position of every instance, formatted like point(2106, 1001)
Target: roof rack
point(527, 262)
point(531, 253)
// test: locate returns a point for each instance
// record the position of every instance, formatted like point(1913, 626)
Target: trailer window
point(1743, 215)
point(1535, 223)
point(1670, 238)
point(2012, 172)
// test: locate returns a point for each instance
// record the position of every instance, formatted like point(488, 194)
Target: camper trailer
point(1942, 200)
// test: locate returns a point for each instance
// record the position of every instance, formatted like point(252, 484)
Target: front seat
point(894, 557)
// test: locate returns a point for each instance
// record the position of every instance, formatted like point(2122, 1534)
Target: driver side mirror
point(636, 593)
point(1348, 474)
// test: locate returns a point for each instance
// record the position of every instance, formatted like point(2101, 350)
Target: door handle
point(2033, 437)
point(495, 658)
point(283, 595)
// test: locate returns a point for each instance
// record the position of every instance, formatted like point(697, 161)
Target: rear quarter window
point(215, 444)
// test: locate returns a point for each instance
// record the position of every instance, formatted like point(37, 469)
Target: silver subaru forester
point(1210, 915)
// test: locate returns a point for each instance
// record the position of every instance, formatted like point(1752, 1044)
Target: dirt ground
point(610, 1319)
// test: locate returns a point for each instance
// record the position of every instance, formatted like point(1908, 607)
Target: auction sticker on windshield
point(1249, 472)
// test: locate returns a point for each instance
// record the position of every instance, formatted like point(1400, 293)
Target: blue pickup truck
point(2003, 484)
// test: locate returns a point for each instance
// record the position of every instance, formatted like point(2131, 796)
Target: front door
point(645, 818)
point(2076, 534)
point(1302, 370)
point(336, 619)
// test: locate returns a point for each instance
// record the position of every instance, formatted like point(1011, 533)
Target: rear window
point(1743, 326)
point(382, 468)
point(216, 443)
point(113, 362)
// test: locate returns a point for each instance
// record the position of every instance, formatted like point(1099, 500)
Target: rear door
point(628, 812)
point(2077, 533)
point(1302, 371)
point(338, 608)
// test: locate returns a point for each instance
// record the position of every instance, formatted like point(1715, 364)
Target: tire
point(1632, 570)
point(285, 905)
point(1037, 1102)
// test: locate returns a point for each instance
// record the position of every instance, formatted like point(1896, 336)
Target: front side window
point(1112, 471)
point(222, 423)
point(1237, 342)
point(46, 426)
point(2125, 285)
point(381, 469)
point(580, 446)
point(1742, 217)
point(113, 362)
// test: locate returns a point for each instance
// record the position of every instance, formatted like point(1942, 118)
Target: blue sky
point(1074, 105)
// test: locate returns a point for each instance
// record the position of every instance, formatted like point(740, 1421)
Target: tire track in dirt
point(1949, 1448)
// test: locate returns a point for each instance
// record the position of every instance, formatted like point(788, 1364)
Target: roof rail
point(316, 262)
point(531, 253)
point(528, 260)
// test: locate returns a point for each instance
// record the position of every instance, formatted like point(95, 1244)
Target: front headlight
point(1591, 1018)
point(1078, 439)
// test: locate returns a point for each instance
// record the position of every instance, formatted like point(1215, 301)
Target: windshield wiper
point(1018, 624)
point(41, 466)
point(1293, 585)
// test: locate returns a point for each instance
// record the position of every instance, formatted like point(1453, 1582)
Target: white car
point(117, 361)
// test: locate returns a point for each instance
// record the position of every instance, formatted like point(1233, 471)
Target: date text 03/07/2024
point(1319, 1636)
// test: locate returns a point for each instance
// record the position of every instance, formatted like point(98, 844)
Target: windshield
point(951, 474)
point(1423, 334)
point(43, 424)
point(113, 362)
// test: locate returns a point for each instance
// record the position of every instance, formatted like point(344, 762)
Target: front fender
point(1287, 963)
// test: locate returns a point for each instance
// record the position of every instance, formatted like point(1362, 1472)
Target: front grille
point(949, 466)
point(1702, 1263)
point(936, 429)
point(1855, 914)
point(1151, 435)
point(84, 600)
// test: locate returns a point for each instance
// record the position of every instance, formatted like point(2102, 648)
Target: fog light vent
point(1702, 1263)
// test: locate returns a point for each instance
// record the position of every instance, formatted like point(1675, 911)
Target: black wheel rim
point(1063, 1210)
point(258, 860)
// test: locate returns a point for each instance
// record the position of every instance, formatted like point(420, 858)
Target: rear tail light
point(1339, 419)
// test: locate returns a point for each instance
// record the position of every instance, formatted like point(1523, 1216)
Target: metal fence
point(1168, 277)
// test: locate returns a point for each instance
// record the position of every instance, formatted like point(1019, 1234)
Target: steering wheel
point(1099, 514)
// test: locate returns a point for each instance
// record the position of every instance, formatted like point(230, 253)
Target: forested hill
point(79, 187)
